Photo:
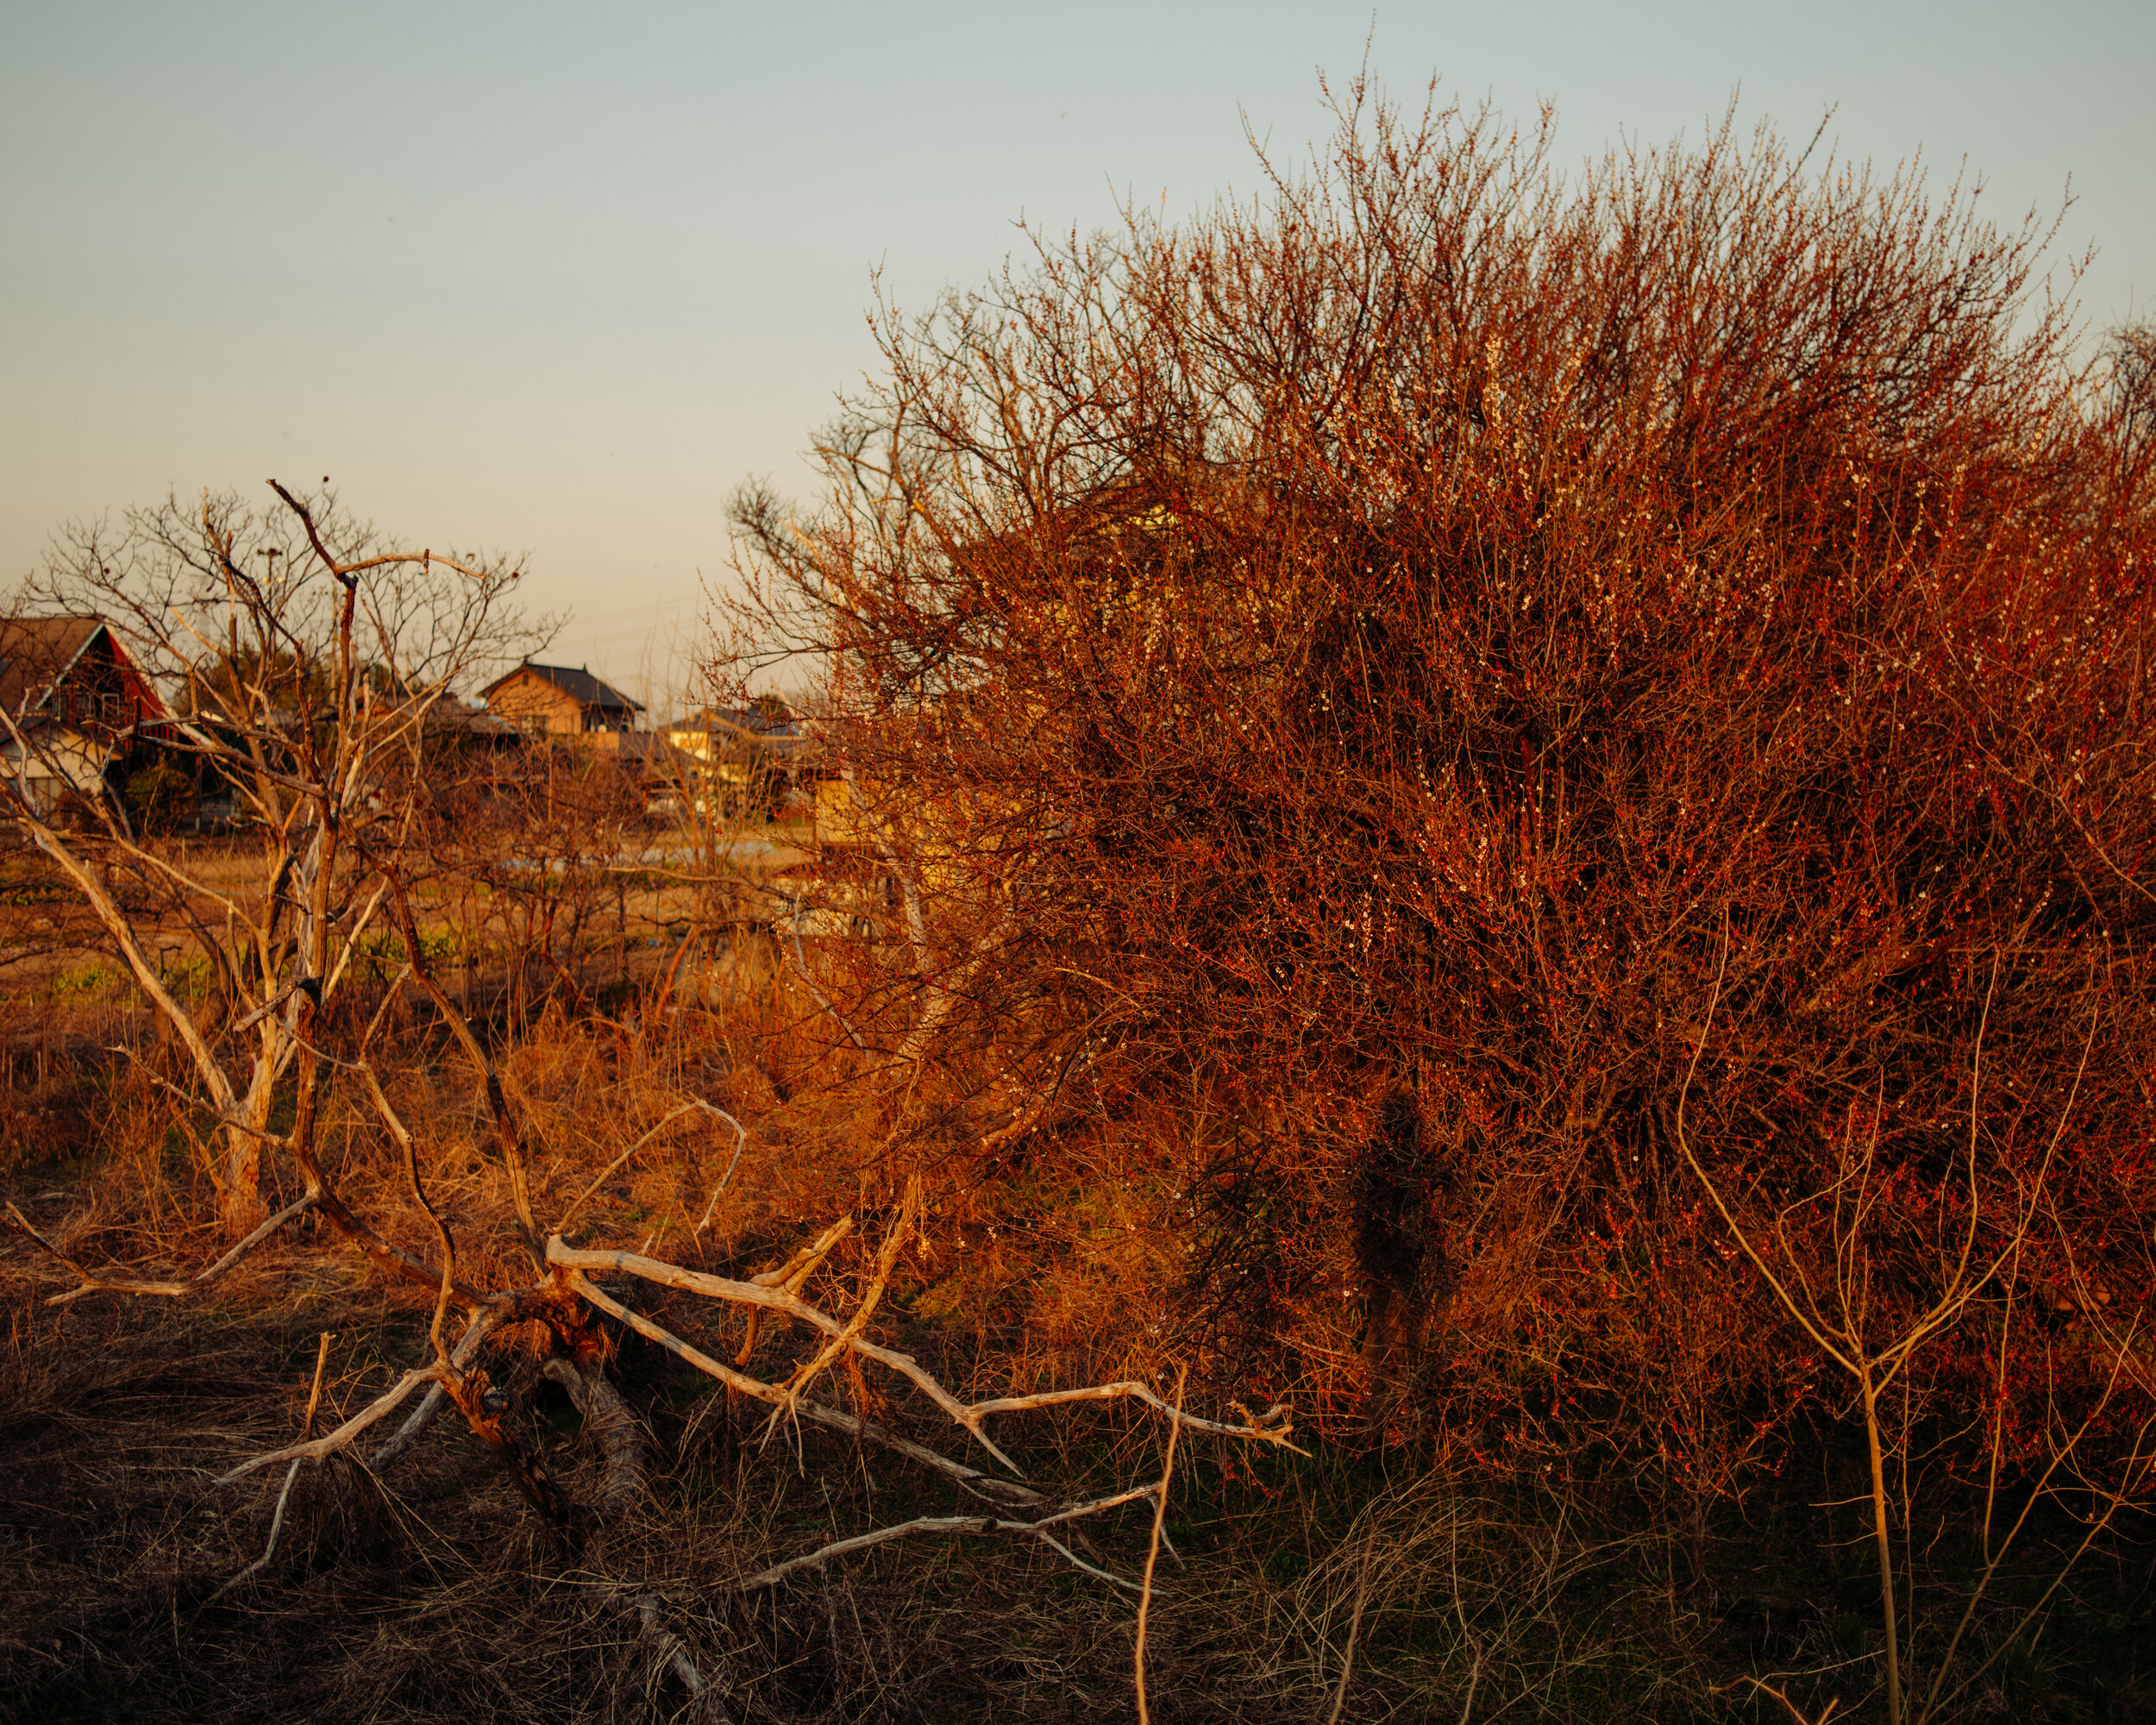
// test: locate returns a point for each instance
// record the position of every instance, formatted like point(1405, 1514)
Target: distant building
point(557, 700)
point(766, 732)
point(752, 758)
point(77, 706)
point(470, 746)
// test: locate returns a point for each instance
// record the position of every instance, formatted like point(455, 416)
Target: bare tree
point(1830, 1267)
point(297, 657)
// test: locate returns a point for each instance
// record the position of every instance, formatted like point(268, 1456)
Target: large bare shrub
point(1343, 677)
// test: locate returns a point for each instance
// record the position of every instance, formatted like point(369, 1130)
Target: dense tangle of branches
point(1343, 681)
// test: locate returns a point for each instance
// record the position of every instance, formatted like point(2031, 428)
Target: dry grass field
point(1358, 1580)
point(433, 1591)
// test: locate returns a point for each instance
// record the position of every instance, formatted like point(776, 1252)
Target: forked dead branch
point(568, 1304)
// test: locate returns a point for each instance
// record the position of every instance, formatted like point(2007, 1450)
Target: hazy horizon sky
point(554, 278)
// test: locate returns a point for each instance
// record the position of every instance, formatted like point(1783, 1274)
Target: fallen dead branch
point(568, 1292)
point(1275, 1426)
point(292, 1473)
point(816, 1413)
point(673, 1652)
point(963, 1524)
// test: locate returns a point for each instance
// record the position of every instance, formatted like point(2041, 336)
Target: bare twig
point(1152, 1550)
point(725, 1180)
point(1794, 1712)
point(808, 981)
point(92, 1283)
point(956, 1524)
point(292, 1473)
point(482, 1324)
point(1355, 1629)
point(382, 1406)
point(797, 1270)
point(507, 1135)
point(671, 1651)
point(666, 1120)
point(844, 1338)
point(398, 1131)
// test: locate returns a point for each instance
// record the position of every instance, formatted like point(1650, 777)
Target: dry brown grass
point(1407, 1583)
point(434, 1593)
point(437, 1595)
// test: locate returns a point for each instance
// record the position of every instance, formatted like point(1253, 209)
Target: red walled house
point(75, 706)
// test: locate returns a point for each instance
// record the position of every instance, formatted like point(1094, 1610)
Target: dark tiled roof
point(579, 684)
point(449, 714)
point(754, 721)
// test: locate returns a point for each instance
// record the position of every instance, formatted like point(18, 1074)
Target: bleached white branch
point(958, 1524)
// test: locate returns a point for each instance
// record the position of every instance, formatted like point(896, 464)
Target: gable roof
point(579, 684)
point(642, 746)
point(746, 720)
point(38, 654)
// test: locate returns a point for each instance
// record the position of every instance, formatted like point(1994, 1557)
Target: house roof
point(741, 732)
point(35, 653)
point(578, 683)
point(753, 721)
point(450, 713)
point(642, 746)
point(38, 654)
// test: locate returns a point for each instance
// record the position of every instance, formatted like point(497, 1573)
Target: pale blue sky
point(553, 278)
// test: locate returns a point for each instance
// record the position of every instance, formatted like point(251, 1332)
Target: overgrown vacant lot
point(1390, 1577)
point(1472, 1039)
point(436, 1590)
